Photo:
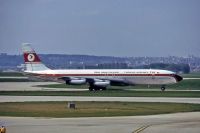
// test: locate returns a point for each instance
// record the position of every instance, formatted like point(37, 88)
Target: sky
point(102, 27)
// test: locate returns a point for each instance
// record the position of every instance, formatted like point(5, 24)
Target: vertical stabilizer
point(31, 59)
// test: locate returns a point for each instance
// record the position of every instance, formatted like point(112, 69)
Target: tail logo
point(31, 57)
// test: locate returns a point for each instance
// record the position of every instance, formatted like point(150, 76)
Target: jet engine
point(101, 83)
point(76, 81)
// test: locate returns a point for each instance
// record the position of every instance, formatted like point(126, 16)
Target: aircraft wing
point(94, 81)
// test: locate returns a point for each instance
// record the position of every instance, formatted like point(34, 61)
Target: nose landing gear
point(162, 88)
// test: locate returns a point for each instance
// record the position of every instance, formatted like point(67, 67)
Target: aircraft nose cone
point(178, 78)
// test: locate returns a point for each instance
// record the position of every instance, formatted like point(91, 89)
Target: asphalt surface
point(10, 77)
point(32, 86)
point(80, 98)
point(168, 123)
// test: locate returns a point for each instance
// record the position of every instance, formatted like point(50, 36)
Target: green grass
point(107, 93)
point(11, 74)
point(13, 80)
point(191, 75)
point(190, 84)
point(92, 109)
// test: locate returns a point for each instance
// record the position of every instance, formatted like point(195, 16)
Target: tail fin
point(31, 59)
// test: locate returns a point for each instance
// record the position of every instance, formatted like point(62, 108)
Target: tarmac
point(32, 86)
point(84, 98)
point(167, 123)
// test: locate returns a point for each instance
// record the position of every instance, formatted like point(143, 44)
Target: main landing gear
point(96, 88)
point(162, 88)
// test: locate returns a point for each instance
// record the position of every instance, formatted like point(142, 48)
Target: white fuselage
point(130, 76)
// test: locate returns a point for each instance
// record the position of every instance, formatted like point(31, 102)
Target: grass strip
point(92, 109)
point(13, 80)
point(12, 74)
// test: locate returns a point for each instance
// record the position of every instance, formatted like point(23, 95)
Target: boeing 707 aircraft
point(97, 79)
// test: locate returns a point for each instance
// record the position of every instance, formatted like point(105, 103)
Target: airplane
point(98, 79)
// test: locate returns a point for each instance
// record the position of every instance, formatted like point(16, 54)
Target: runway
point(168, 123)
point(32, 86)
point(22, 86)
point(84, 98)
point(12, 77)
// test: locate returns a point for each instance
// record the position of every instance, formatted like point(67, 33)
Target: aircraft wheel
point(162, 88)
point(104, 88)
point(90, 88)
point(96, 88)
